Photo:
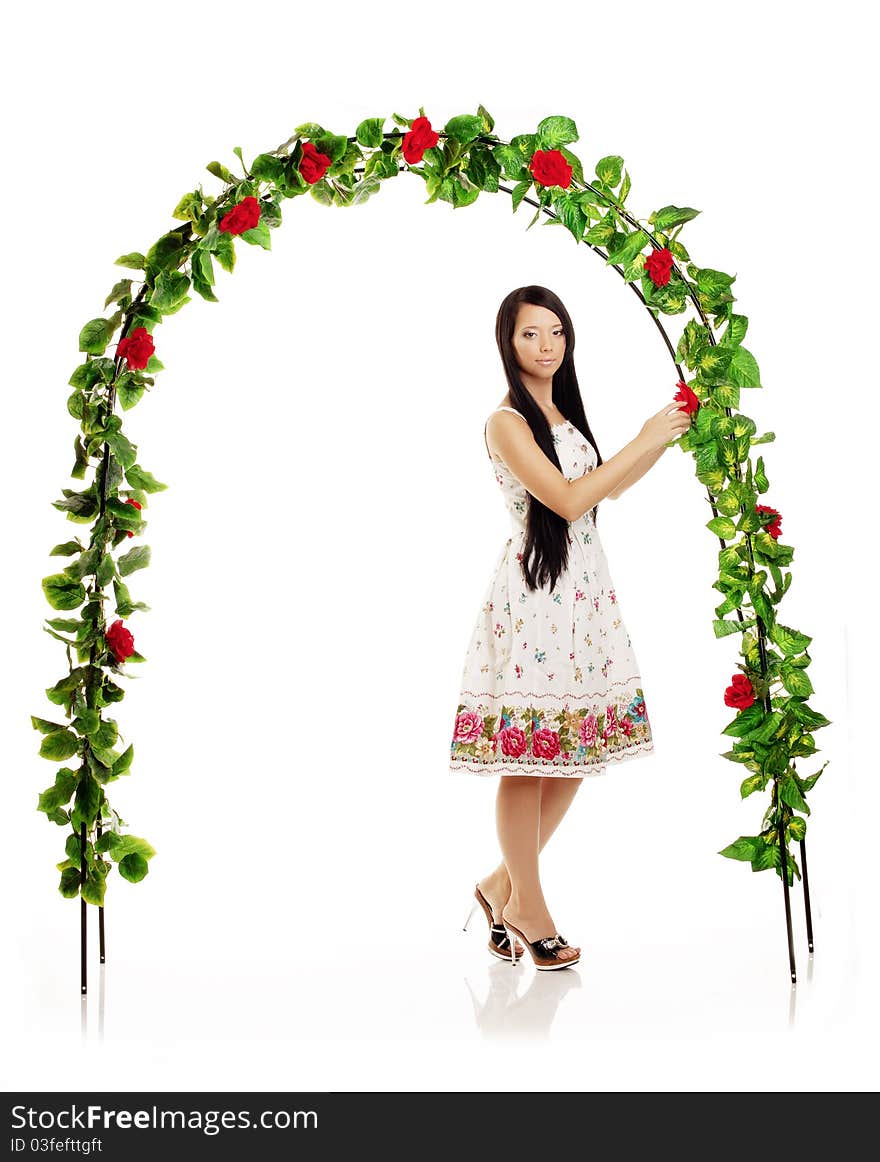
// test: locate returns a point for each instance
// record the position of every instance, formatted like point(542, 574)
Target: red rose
point(545, 743)
point(120, 641)
point(243, 216)
point(690, 403)
point(137, 506)
point(513, 741)
point(136, 348)
point(420, 137)
point(658, 264)
point(313, 164)
point(774, 528)
point(739, 693)
point(549, 168)
point(468, 727)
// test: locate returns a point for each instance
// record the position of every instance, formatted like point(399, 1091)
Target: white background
point(329, 529)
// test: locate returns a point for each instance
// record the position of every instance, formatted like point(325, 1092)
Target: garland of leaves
point(773, 725)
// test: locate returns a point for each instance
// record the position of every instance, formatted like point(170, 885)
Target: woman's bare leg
point(556, 798)
point(518, 815)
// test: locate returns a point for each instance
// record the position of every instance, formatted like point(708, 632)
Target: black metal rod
point(100, 911)
point(807, 895)
point(82, 908)
point(784, 862)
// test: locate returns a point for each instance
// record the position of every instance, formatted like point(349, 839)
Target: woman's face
point(538, 343)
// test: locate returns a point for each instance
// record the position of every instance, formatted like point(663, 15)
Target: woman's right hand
point(667, 424)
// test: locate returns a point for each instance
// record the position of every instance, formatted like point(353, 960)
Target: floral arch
point(772, 724)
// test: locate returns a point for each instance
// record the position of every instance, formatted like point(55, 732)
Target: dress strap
point(515, 412)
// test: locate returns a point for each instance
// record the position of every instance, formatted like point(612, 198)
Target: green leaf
point(106, 571)
point(795, 680)
point(95, 336)
point(766, 855)
point(59, 793)
point(140, 478)
point(693, 340)
point(60, 744)
point(62, 592)
point(736, 331)
point(134, 260)
point(751, 784)
point(797, 828)
point(742, 848)
point(713, 282)
point(713, 362)
point(723, 527)
point(743, 369)
point(136, 558)
point(128, 390)
point(723, 628)
point(120, 846)
point(170, 291)
point(746, 721)
point(67, 549)
point(123, 449)
point(369, 132)
point(810, 782)
point(87, 721)
point(133, 867)
point(554, 131)
point(87, 801)
point(69, 886)
point(464, 128)
point(258, 235)
point(670, 216)
point(608, 170)
point(790, 793)
point(122, 765)
point(105, 735)
point(92, 890)
point(602, 232)
point(790, 641)
point(45, 726)
point(627, 248)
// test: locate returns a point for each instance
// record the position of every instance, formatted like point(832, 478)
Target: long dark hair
point(545, 549)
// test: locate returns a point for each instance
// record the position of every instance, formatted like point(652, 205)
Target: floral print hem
point(531, 740)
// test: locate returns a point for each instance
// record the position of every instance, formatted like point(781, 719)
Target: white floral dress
point(550, 684)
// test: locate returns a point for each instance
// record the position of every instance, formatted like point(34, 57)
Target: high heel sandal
point(499, 941)
point(545, 952)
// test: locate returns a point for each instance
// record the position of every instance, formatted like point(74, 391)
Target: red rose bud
point(243, 216)
point(658, 265)
point(313, 164)
point(690, 403)
point(119, 641)
point(549, 168)
point(420, 137)
point(739, 693)
point(775, 526)
point(136, 348)
point(137, 506)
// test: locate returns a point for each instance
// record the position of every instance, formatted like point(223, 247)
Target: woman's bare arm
point(511, 438)
point(644, 465)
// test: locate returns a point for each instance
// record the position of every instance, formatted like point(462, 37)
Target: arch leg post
point(82, 909)
point(809, 916)
point(784, 865)
point(101, 944)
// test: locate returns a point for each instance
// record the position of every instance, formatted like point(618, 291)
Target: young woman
point(550, 690)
